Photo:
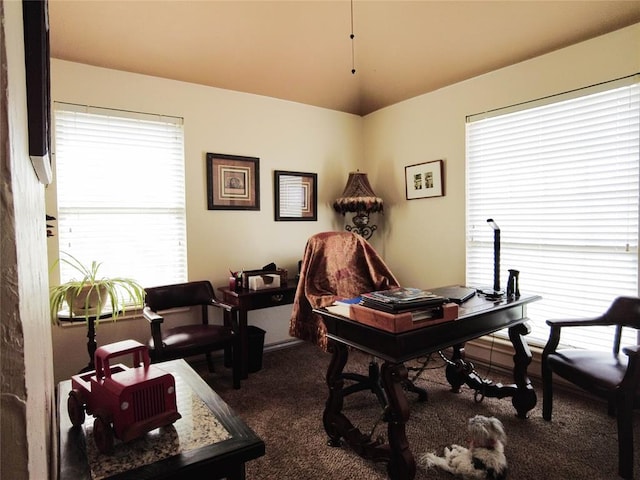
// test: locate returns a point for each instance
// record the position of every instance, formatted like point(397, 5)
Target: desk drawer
point(266, 299)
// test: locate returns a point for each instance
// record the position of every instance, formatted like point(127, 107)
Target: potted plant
point(87, 295)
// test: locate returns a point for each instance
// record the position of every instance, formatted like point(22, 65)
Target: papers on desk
point(343, 306)
point(402, 299)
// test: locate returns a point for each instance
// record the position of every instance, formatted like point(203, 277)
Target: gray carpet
point(283, 404)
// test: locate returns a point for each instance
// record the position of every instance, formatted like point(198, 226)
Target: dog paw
point(427, 460)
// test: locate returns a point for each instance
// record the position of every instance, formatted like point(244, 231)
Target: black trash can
point(256, 347)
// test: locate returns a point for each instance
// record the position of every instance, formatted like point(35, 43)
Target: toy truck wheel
point(75, 408)
point(103, 435)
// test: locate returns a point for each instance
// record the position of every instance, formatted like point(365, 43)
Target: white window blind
point(121, 197)
point(560, 178)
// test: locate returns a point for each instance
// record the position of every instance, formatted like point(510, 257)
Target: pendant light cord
point(352, 36)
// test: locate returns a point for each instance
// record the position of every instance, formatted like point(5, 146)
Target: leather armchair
point(612, 376)
point(191, 339)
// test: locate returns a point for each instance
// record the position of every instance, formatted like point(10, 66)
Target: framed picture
point(424, 180)
point(295, 196)
point(36, 52)
point(233, 182)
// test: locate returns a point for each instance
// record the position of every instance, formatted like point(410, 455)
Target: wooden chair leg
point(547, 391)
point(624, 410)
point(210, 364)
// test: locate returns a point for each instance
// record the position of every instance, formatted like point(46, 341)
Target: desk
point(209, 441)
point(246, 300)
point(477, 317)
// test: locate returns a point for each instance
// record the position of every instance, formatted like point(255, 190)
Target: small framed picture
point(233, 182)
point(424, 180)
point(295, 196)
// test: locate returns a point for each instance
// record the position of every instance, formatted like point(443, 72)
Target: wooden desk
point(247, 300)
point(477, 317)
point(209, 441)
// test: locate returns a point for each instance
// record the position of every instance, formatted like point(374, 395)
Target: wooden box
point(405, 321)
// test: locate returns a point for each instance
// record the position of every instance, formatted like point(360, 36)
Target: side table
point(246, 300)
point(66, 317)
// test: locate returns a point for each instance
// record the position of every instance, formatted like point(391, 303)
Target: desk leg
point(524, 399)
point(244, 344)
point(523, 396)
point(237, 319)
point(401, 464)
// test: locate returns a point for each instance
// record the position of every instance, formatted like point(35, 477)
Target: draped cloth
point(335, 265)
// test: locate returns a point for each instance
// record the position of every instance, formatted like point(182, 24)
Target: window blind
point(560, 178)
point(120, 192)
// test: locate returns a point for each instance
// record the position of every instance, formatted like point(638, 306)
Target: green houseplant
point(88, 294)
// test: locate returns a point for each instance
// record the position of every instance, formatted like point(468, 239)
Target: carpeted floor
point(283, 404)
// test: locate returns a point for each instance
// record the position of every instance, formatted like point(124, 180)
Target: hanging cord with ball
point(352, 37)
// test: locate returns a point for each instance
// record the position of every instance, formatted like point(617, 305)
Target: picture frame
point(35, 17)
point(233, 182)
point(295, 196)
point(424, 180)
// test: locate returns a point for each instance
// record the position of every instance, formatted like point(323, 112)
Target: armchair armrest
point(631, 351)
point(579, 322)
point(151, 316)
point(226, 306)
point(557, 324)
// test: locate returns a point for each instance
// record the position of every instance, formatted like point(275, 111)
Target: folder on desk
point(456, 294)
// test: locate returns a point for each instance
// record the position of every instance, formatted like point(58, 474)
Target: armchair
point(611, 376)
point(339, 265)
point(191, 339)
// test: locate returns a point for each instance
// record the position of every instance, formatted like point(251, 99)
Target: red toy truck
point(126, 402)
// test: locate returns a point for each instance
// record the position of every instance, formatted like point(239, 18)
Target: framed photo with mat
point(233, 182)
point(424, 180)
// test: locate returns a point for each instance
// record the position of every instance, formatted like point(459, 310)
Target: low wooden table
point(477, 317)
point(208, 442)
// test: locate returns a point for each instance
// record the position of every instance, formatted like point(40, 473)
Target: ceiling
point(302, 51)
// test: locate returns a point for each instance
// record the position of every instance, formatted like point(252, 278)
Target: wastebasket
point(256, 347)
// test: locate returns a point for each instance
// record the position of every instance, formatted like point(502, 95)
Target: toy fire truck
point(125, 402)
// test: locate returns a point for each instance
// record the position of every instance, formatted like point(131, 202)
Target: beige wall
point(284, 135)
point(425, 239)
point(422, 240)
point(27, 431)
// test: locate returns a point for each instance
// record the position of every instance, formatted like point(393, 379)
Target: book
point(399, 295)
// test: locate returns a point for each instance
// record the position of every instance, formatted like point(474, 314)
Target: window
point(560, 178)
point(121, 197)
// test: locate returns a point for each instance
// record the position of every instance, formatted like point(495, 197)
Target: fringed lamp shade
point(358, 197)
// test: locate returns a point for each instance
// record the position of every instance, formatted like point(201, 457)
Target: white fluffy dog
point(484, 459)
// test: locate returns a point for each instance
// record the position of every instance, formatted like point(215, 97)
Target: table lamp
point(358, 197)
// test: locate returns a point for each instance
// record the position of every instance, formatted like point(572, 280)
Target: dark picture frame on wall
point(35, 16)
point(233, 182)
point(424, 180)
point(295, 196)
